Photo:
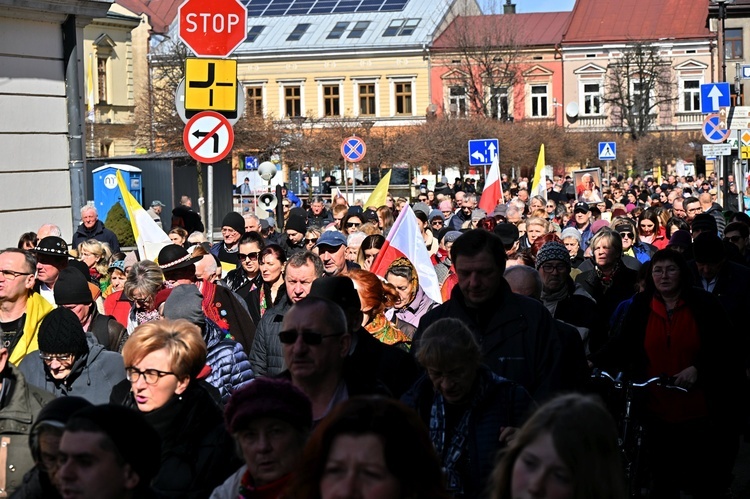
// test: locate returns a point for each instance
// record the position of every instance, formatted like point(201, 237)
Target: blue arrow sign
point(483, 151)
point(607, 151)
point(251, 163)
point(714, 96)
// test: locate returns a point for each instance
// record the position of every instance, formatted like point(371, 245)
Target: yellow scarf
point(36, 308)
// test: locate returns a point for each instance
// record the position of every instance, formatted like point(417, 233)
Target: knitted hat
point(118, 265)
point(136, 440)
point(478, 214)
point(421, 207)
point(268, 397)
point(704, 222)
point(296, 223)
point(185, 302)
point(61, 332)
point(451, 236)
point(52, 246)
point(338, 289)
point(436, 214)
point(445, 205)
point(708, 248)
point(72, 288)
point(552, 250)
point(130, 259)
point(598, 225)
point(501, 209)
point(571, 232)
point(235, 221)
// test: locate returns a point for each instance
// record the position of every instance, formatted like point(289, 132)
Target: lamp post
point(722, 4)
point(298, 122)
point(367, 125)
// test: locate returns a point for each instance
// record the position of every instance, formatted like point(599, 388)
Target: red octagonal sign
point(212, 28)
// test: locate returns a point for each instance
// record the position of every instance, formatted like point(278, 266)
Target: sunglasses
point(311, 241)
point(252, 256)
point(285, 205)
point(437, 222)
point(353, 224)
point(733, 239)
point(629, 235)
point(308, 337)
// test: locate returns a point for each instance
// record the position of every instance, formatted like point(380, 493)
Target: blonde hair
point(100, 250)
point(181, 339)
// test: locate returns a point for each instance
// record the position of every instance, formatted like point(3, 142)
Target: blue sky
point(496, 6)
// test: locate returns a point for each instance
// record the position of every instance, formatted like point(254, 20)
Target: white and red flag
point(405, 240)
point(493, 188)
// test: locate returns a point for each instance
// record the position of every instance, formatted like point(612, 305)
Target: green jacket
point(18, 413)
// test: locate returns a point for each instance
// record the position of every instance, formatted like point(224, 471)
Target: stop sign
point(212, 28)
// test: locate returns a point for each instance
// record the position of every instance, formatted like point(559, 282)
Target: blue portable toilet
point(106, 190)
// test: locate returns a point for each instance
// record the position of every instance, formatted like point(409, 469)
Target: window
point(255, 101)
point(359, 29)
point(337, 31)
point(733, 43)
point(592, 99)
point(331, 100)
point(367, 99)
point(253, 33)
point(457, 102)
point(401, 27)
point(402, 96)
point(539, 101)
point(640, 98)
point(101, 73)
point(691, 96)
point(299, 30)
point(498, 107)
point(293, 101)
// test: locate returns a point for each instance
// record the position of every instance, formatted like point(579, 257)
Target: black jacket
point(517, 334)
point(98, 232)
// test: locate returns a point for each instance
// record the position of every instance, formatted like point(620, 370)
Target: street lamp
point(722, 53)
point(298, 122)
point(367, 125)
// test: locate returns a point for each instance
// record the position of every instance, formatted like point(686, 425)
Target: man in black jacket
point(517, 334)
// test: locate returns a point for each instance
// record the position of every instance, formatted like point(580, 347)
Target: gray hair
point(145, 276)
point(89, 207)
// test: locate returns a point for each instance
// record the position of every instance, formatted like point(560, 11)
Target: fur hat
point(235, 221)
point(61, 332)
point(552, 250)
point(268, 397)
point(71, 288)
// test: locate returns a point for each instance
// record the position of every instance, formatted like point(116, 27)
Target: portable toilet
point(106, 190)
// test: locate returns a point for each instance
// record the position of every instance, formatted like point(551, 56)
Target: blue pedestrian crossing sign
point(607, 151)
point(483, 151)
point(714, 96)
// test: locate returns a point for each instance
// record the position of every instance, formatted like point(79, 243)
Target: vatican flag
point(379, 195)
point(149, 238)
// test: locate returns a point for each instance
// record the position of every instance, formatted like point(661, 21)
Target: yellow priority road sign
point(211, 85)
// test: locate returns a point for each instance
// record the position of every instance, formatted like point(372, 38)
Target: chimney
point(509, 8)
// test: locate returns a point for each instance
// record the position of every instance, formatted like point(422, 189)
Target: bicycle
point(631, 431)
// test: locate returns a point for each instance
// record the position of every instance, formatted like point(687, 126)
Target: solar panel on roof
point(264, 8)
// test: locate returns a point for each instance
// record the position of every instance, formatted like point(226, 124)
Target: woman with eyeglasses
point(272, 290)
point(675, 329)
point(246, 277)
point(164, 360)
point(144, 281)
point(412, 302)
point(350, 223)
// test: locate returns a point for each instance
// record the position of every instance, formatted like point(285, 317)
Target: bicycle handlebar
point(618, 383)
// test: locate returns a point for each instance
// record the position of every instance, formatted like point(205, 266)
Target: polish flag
point(405, 239)
point(493, 189)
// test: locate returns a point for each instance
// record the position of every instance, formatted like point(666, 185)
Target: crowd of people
point(276, 362)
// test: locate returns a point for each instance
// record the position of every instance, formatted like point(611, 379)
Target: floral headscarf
point(404, 263)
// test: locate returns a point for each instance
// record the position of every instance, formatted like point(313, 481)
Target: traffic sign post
point(353, 150)
point(483, 151)
point(179, 102)
point(212, 28)
point(607, 151)
point(714, 96)
point(716, 150)
point(211, 85)
point(208, 137)
point(713, 130)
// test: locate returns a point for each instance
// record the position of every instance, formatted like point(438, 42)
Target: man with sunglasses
point(21, 308)
point(265, 354)
point(738, 233)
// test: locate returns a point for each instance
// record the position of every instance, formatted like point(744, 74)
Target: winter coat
point(230, 367)
point(21, 403)
point(504, 404)
point(98, 232)
point(266, 354)
point(197, 453)
point(237, 281)
point(118, 306)
point(92, 376)
point(108, 332)
point(517, 335)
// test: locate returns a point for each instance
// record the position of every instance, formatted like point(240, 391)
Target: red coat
point(118, 306)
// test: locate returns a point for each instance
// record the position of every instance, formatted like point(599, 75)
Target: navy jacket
point(230, 367)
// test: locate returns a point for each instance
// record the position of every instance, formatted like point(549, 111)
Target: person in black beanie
point(71, 363)
point(293, 239)
point(232, 229)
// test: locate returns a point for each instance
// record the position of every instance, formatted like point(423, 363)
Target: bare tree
point(640, 85)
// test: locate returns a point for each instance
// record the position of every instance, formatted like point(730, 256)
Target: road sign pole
point(609, 170)
point(354, 181)
point(210, 202)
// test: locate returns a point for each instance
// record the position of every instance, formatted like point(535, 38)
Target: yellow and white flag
point(90, 91)
point(539, 185)
point(149, 238)
point(380, 194)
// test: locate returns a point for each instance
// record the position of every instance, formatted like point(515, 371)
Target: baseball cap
point(331, 238)
point(156, 202)
point(582, 207)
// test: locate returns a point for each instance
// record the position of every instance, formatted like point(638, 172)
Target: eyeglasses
point(60, 357)
point(311, 241)
point(550, 267)
point(151, 376)
point(667, 270)
point(733, 239)
point(629, 235)
point(143, 301)
point(252, 256)
point(308, 337)
point(353, 224)
point(12, 274)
